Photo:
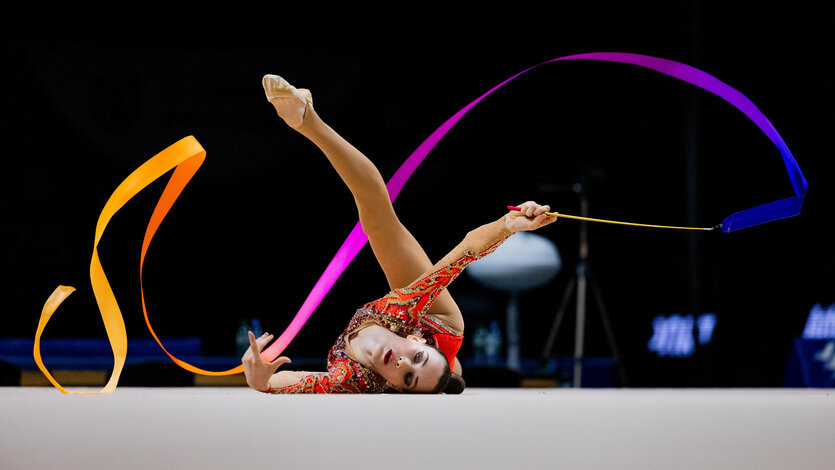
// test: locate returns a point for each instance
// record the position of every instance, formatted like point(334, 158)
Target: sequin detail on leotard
point(402, 311)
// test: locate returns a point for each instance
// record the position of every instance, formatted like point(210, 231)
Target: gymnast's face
point(410, 365)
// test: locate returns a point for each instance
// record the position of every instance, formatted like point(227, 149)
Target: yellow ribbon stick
point(589, 219)
point(186, 150)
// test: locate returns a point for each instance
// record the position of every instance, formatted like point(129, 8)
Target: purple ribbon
point(780, 209)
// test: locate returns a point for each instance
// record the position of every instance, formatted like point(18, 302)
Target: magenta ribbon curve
point(783, 208)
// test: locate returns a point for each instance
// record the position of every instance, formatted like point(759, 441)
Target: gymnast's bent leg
point(399, 254)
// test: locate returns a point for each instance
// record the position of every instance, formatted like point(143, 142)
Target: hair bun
point(456, 384)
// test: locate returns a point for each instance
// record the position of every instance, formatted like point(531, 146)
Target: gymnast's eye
point(418, 357)
point(408, 379)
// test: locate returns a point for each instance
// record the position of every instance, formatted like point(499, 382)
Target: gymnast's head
point(410, 365)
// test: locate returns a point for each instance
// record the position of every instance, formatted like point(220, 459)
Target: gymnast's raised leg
point(399, 254)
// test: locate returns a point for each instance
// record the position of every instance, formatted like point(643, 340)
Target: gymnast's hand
point(531, 217)
point(258, 371)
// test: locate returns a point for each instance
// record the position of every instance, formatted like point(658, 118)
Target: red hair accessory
point(449, 345)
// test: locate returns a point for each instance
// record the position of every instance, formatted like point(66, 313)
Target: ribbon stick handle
point(517, 208)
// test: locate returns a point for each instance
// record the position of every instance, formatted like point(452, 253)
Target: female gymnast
point(407, 340)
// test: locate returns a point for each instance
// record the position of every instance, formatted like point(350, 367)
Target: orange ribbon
point(179, 179)
point(185, 157)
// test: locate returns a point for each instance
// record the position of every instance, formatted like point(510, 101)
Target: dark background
point(90, 93)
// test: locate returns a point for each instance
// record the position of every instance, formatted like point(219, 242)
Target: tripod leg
point(610, 334)
point(580, 327)
point(512, 324)
point(555, 327)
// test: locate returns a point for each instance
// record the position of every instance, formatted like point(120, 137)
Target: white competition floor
point(226, 428)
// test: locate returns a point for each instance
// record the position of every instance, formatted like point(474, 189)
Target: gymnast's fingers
point(546, 212)
point(273, 366)
point(281, 361)
point(264, 339)
point(525, 209)
point(530, 210)
point(533, 209)
point(254, 348)
point(547, 219)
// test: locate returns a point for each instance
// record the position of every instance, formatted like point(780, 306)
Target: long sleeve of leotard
point(343, 376)
point(410, 302)
point(477, 244)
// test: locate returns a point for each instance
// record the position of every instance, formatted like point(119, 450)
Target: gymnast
point(406, 341)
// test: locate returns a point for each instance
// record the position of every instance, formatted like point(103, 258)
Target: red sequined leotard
point(404, 312)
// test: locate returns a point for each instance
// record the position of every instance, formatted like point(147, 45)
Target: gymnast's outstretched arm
point(532, 216)
point(285, 378)
point(262, 375)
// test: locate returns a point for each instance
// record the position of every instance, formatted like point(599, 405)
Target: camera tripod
point(581, 280)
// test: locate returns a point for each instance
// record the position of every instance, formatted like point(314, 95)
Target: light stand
point(525, 261)
point(582, 279)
